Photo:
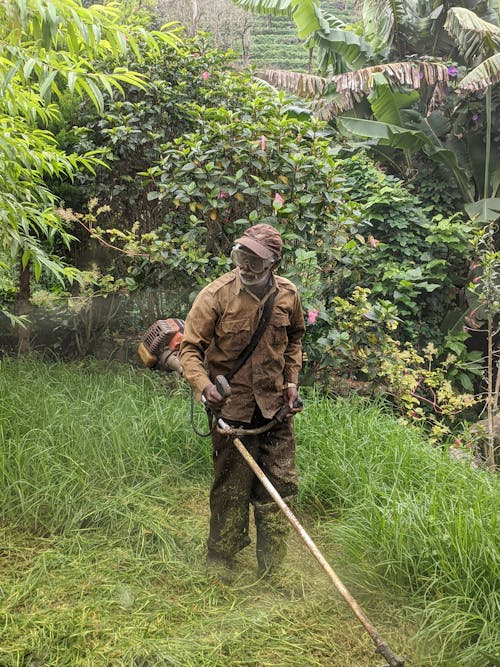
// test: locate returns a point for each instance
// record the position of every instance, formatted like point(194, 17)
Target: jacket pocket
point(279, 324)
point(234, 335)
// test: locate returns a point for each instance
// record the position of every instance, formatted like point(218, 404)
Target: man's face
point(254, 270)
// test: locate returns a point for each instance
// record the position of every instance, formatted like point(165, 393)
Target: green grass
point(104, 518)
point(428, 523)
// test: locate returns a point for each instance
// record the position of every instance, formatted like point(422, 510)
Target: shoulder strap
point(264, 320)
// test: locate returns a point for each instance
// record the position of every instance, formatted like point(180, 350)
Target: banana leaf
point(484, 210)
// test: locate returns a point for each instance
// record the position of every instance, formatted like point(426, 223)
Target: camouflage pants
point(236, 487)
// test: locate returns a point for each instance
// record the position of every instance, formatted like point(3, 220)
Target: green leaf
point(72, 77)
point(390, 135)
point(456, 347)
point(93, 91)
point(387, 104)
point(46, 83)
point(28, 67)
point(26, 258)
point(466, 382)
point(37, 269)
point(484, 210)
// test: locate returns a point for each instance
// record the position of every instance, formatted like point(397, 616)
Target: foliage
point(401, 254)
point(48, 47)
point(132, 131)
point(416, 34)
point(433, 186)
point(251, 158)
point(358, 344)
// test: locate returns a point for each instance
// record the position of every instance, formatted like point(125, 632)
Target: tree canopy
point(50, 48)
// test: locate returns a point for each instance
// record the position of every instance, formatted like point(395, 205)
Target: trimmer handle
point(285, 410)
point(222, 386)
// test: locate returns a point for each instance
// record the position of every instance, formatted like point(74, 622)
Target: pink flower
point(263, 141)
point(278, 199)
point(373, 241)
point(312, 315)
point(195, 54)
point(205, 75)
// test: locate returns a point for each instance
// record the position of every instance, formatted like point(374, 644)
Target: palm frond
point(483, 76)
point(353, 85)
point(475, 38)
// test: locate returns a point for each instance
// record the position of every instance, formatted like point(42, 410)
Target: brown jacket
point(218, 327)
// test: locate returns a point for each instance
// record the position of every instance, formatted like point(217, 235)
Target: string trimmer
point(162, 342)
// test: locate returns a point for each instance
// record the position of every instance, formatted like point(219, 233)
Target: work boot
point(221, 569)
point(272, 531)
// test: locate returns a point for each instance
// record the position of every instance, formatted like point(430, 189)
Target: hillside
point(270, 42)
point(274, 43)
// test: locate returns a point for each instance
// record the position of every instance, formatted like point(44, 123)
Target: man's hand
point(291, 395)
point(212, 397)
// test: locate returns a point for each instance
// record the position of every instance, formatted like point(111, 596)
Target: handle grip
point(285, 410)
point(222, 386)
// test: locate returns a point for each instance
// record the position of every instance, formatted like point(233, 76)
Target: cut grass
point(93, 600)
point(105, 515)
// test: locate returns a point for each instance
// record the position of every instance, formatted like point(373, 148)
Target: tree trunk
point(23, 308)
point(244, 50)
point(195, 16)
point(310, 63)
point(246, 38)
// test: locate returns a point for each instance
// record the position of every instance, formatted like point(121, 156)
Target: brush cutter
point(284, 413)
point(159, 348)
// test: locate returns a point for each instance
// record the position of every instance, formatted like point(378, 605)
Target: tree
point(50, 48)
point(229, 26)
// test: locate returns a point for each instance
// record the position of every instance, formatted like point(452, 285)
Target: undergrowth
point(104, 525)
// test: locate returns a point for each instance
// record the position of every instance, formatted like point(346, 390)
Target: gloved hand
point(212, 397)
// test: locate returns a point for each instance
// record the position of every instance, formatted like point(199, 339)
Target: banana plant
point(389, 28)
point(479, 43)
point(398, 126)
point(338, 47)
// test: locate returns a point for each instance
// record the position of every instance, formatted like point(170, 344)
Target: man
point(219, 326)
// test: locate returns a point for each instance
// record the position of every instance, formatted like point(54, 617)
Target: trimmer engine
point(159, 347)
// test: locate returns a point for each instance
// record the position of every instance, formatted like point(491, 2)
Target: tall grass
point(428, 523)
point(87, 449)
point(86, 452)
